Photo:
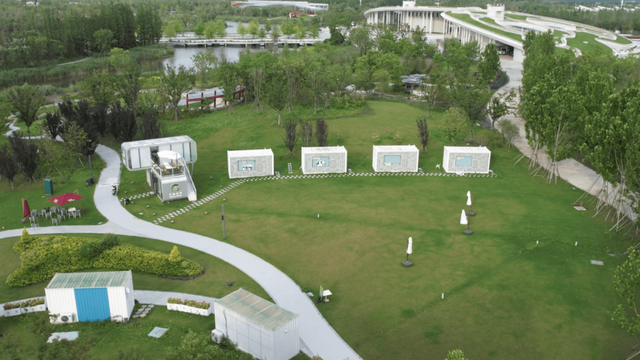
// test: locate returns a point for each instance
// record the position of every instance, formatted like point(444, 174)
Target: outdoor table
point(72, 211)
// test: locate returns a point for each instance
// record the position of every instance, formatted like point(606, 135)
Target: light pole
point(224, 234)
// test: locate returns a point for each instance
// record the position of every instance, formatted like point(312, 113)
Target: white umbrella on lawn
point(465, 221)
point(409, 251)
point(469, 203)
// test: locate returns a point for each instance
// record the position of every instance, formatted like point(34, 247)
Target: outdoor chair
point(54, 221)
point(34, 212)
point(78, 213)
point(34, 225)
point(33, 219)
point(60, 217)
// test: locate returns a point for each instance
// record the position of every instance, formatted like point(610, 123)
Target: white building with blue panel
point(90, 297)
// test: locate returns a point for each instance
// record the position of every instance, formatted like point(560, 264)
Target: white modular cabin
point(140, 155)
point(90, 297)
point(250, 163)
point(324, 160)
point(466, 159)
point(257, 326)
point(395, 158)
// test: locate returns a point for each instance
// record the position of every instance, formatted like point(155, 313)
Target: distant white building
point(395, 158)
point(466, 159)
point(250, 163)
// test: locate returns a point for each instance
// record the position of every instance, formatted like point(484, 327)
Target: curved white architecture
point(437, 20)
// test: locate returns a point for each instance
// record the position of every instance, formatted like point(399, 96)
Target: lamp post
point(224, 234)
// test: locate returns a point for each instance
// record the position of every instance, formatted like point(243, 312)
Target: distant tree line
point(47, 36)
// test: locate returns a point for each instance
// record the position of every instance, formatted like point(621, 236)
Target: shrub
point(28, 303)
point(196, 304)
point(42, 258)
point(109, 241)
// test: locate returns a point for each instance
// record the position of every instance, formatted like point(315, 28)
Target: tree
point(221, 28)
point(276, 88)
point(122, 123)
point(626, 282)
point(431, 88)
point(210, 30)
point(149, 25)
point(52, 123)
point(490, 63)
point(199, 28)
point(314, 31)
point(472, 102)
point(100, 118)
point(316, 80)
point(257, 77)
point(291, 135)
point(128, 79)
point(262, 33)
point(423, 133)
point(288, 28)
point(454, 120)
point(267, 26)
point(8, 164)
point(254, 27)
point(227, 75)
point(26, 153)
point(382, 78)
point(275, 34)
point(501, 105)
point(337, 38)
point(100, 87)
point(306, 132)
point(174, 83)
point(360, 37)
point(149, 127)
point(81, 115)
point(203, 61)
point(455, 355)
point(322, 132)
point(509, 131)
point(102, 41)
point(26, 100)
point(242, 30)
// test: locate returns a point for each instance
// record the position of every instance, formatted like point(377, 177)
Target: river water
point(182, 56)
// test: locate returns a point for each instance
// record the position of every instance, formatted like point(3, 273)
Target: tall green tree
point(626, 282)
point(490, 63)
point(227, 75)
point(26, 100)
point(276, 88)
point(203, 61)
point(174, 83)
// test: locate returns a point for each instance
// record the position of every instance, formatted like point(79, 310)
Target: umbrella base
point(468, 232)
point(470, 213)
point(407, 263)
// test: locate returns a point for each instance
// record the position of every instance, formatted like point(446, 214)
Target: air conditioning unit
point(216, 336)
point(65, 318)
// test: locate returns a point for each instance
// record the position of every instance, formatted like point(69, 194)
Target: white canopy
point(468, 198)
point(410, 246)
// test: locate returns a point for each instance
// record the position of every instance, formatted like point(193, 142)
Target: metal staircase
point(191, 187)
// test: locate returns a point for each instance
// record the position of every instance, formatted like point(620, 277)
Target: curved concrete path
point(315, 332)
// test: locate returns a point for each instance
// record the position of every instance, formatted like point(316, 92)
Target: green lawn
point(622, 40)
point(25, 336)
point(468, 19)
point(517, 17)
point(503, 293)
point(591, 46)
point(213, 283)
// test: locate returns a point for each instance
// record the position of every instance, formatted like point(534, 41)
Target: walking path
point(570, 170)
point(316, 334)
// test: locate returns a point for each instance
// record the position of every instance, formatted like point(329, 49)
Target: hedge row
point(43, 256)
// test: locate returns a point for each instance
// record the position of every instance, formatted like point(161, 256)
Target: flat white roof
point(323, 149)
point(467, 149)
point(390, 148)
point(243, 153)
point(155, 142)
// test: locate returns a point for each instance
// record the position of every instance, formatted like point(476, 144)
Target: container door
point(134, 159)
point(92, 304)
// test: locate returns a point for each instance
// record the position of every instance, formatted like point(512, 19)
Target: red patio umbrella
point(25, 208)
point(64, 199)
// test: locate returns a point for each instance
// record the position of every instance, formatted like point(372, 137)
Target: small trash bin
point(48, 186)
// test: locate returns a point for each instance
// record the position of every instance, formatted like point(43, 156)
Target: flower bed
point(190, 306)
point(24, 307)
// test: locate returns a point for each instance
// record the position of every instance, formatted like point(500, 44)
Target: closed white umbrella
point(469, 203)
point(465, 221)
point(409, 251)
point(463, 218)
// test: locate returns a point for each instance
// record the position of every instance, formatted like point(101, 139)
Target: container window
point(320, 161)
point(464, 161)
point(392, 159)
point(246, 165)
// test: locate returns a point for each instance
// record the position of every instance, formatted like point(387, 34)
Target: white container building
point(257, 326)
point(139, 155)
point(466, 159)
point(88, 297)
point(324, 160)
point(395, 158)
point(250, 163)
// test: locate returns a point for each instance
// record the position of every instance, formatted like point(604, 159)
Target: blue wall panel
point(92, 304)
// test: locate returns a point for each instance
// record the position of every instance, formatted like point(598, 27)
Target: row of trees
point(58, 36)
point(583, 106)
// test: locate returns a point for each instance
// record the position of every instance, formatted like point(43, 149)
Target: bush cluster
point(22, 304)
point(347, 102)
point(43, 256)
point(196, 304)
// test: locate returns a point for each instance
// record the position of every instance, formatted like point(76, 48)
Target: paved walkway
point(570, 170)
point(315, 332)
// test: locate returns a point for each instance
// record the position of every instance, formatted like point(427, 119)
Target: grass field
point(504, 294)
point(591, 46)
point(213, 283)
